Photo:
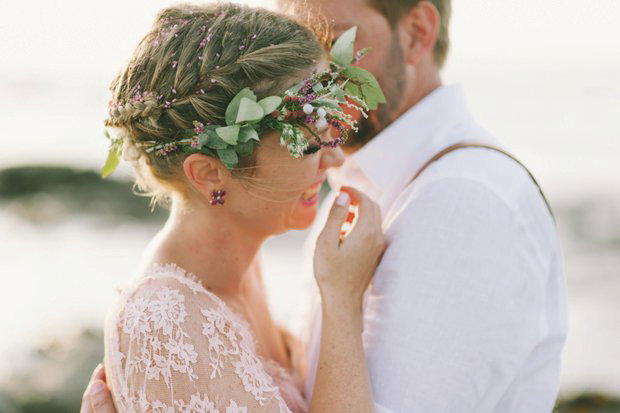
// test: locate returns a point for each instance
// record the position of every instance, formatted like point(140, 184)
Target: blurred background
point(542, 76)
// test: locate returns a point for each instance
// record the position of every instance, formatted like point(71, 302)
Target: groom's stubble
point(392, 81)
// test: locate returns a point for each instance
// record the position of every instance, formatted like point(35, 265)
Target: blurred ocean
point(546, 83)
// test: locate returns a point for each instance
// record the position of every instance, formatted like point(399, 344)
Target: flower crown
point(312, 105)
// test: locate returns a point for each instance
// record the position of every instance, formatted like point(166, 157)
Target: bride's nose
point(331, 157)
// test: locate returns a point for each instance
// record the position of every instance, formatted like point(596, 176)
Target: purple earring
point(217, 197)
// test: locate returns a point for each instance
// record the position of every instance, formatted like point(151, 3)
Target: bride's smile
point(310, 197)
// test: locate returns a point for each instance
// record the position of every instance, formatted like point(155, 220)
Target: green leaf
point(342, 50)
point(370, 89)
point(353, 89)
point(249, 111)
point(228, 157)
point(233, 107)
point(203, 138)
point(207, 151)
point(212, 140)
point(248, 133)
point(270, 103)
point(245, 149)
point(111, 162)
point(338, 92)
point(318, 87)
point(189, 149)
point(229, 134)
point(328, 103)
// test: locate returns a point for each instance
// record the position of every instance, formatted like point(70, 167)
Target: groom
point(466, 312)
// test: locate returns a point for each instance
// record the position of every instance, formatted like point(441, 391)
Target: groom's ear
point(203, 173)
point(419, 29)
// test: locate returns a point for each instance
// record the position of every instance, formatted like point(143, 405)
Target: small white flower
point(321, 112)
point(308, 109)
point(321, 124)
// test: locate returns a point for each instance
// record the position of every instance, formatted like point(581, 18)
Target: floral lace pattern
point(173, 346)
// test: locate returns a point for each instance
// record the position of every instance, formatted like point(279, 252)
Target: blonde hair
point(189, 66)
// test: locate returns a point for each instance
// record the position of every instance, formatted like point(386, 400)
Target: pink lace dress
point(173, 346)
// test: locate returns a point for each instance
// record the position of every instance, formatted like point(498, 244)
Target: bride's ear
point(204, 174)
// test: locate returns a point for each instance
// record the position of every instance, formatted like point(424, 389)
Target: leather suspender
point(462, 145)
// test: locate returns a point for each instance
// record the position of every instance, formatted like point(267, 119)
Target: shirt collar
point(387, 163)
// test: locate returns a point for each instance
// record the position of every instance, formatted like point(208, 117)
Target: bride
point(226, 112)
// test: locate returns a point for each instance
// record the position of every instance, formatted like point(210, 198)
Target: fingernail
point(343, 199)
point(97, 387)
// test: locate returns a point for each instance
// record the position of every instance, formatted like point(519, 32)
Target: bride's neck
point(222, 254)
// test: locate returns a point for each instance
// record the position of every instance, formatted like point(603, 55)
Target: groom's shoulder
point(478, 179)
point(486, 168)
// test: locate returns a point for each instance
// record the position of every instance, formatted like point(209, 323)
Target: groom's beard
point(392, 81)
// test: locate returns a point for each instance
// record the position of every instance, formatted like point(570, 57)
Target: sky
point(544, 76)
point(64, 36)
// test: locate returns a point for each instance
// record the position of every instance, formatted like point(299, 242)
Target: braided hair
point(189, 66)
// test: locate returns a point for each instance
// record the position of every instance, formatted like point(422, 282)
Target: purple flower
point(198, 128)
point(307, 99)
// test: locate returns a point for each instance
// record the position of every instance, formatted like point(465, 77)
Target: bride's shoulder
point(157, 277)
point(163, 286)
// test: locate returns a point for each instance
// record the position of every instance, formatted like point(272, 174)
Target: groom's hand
point(97, 397)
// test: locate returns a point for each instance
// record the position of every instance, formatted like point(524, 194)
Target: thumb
point(337, 216)
point(100, 398)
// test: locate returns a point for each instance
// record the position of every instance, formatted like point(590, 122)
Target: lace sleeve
point(174, 347)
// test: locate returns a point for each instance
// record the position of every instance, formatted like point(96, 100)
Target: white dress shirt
point(467, 310)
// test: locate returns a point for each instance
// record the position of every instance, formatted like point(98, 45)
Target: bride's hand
point(343, 269)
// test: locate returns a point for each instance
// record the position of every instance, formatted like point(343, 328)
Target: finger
point(336, 218)
point(358, 198)
point(378, 216)
point(368, 226)
point(98, 373)
point(356, 195)
point(100, 399)
point(86, 407)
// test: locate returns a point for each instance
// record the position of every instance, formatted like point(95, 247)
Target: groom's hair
point(393, 10)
